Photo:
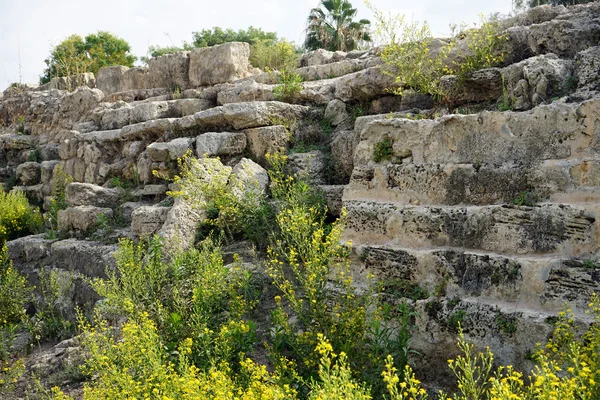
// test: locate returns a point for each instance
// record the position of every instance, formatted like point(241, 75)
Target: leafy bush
point(484, 43)
point(136, 366)
point(233, 208)
point(58, 200)
point(14, 295)
point(76, 55)
point(190, 295)
point(269, 56)
point(383, 150)
point(290, 85)
point(14, 291)
point(17, 217)
point(411, 62)
point(414, 64)
point(55, 316)
point(215, 36)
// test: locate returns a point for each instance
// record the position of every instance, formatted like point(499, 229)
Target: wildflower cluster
point(17, 217)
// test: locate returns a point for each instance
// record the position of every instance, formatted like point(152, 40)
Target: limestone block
point(169, 71)
point(87, 194)
point(219, 64)
point(220, 143)
point(147, 220)
point(110, 79)
point(267, 139)
point(29, 173)
point(312, 165)
point(81, 218)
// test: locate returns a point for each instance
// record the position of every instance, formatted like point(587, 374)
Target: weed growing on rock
point(528, 199)
point(383, 150)
point(58, 200)
point(17, 217)
point(290, 85)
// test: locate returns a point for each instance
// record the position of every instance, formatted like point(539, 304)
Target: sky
point(29, 29)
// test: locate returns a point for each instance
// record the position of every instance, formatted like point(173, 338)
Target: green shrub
point(485, 48)
point(290, 85)
point(17, 217)
point(192, 294)
point(278, 56)
point(383, 150)
point(14, 291)
point(234, 208)
point(412, 64)
point(55, 316)
point(58, 200)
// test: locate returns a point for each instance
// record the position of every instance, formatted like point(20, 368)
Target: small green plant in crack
point(506, 101)
point(507, 324)
point(590, 264)
point(453, 302)
point(404, 288)
point(21, 130)
point(525, 198)
point(290, 85)
point(455, 320)
point(383, 150)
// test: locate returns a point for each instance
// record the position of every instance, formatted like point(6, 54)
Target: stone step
point(96, 156)
point(511, 331)
point(546, 228)
point(572, 181)
point(540, 282)
point(551, 132)
point(117, 115)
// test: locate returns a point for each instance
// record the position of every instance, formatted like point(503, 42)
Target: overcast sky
point(30, 28)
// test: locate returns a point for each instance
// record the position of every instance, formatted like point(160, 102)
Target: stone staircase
point(444, 213)
point(488, 219)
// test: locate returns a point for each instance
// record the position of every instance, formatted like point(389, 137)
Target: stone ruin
point(440, 214)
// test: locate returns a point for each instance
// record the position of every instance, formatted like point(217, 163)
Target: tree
point(331, 27)
point(208, 37)
point(76, 55)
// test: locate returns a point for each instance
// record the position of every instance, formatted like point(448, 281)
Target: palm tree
point(331, 27)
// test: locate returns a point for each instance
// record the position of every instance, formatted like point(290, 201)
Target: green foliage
point(190, 295)
point(412, 64)
point(526, 198)
point(506, 101)
point(566, 368)
point(269, 56)
point(309, 265)
point(17, 217)
point(21, 126)
point(383, 150)
point(58, 200)
point(55, 316)
point(215, 36)
point(335, 379)
point(411, 61)
point(136, 366)
point(507, 324)
point(290, 85)
point(404, 288)
point(76, 55)
point(235, 208)
point(331, 26)
point(485, 47)
point(14, 291)
point(456, 318)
